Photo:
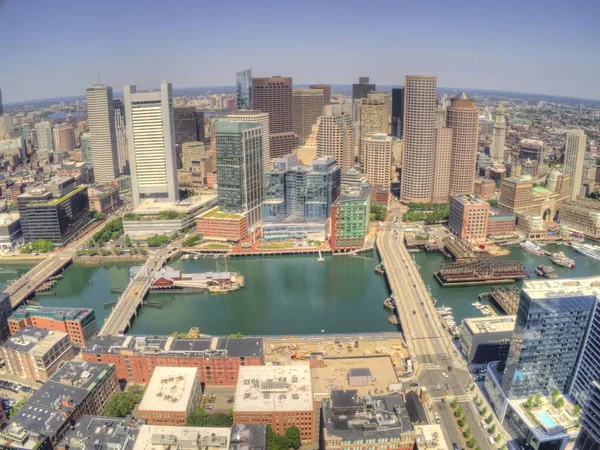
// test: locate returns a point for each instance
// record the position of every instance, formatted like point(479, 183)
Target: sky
point(56, 48)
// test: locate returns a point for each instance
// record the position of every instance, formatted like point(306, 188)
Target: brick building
point(484, 188)
point(79, 324)
point(500, 223)
point(280, 396)
point(173, 393)
point(215, 224)
point(350, 219)
point(218, 359)
point(104, 198)
point(35, 353)
point(468, 217)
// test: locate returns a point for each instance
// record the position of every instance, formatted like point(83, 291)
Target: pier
point(458, 249)
point(482, 271)
point(506, 298)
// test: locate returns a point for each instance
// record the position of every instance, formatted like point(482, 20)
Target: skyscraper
point(262, 119)
point(151, 142)
point(274, 96)
point(307, 107)
point(326, 88)
point(86, 148)
point(121, 135)
point(64, 138)
point(589, 436)
point(378, 160)
point(243, 85)
point(499, 135)
point(1, 107)
point(239, 168)
point(374, 119)
point(419, 138)
point(574, 156)
point(190, 152)
point(102, 132)
point(441, 170)
point(463, 118)
point(44, 137)
point(397, 111)
point(362, 89)
point(335, 133)
point(186, 128)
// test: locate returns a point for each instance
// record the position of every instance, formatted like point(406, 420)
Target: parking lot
point(218, 399)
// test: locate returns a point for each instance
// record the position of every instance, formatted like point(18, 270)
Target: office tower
point(574, 156)
point(532, 149)
point(499, 135)
point(552, 321)
point(240, 169)
point(191, 151)
point(186, 128)
point(350, 218)
point(463, 117)
point(262, 119)
point(151, 143)
point(335, 132)
point(6, 126)
point(64, 138)
point(397, 111)
point(102, 131)
point(419, 138)
point(121, 135)
point(307, 107)
point(243, 87)
point(378, 160)
point(589, 436)
point(86, 148)
point(274, 96)
point(1, 107)
point(200, 126)
point(362, 89)
point(374, 119)
point(5, 312)
point(44, 137)
point(441, 169)
point(326, 88)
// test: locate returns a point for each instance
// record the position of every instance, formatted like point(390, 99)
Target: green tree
point(471, 443)
point(461, 422)
point(489, 419)
point(157, 240)
point(577, 410)
point(17, 406)
point(492, 429)
point(484, 411)
point(167, 215)
point(292, 435)
point(92, 252)
point(122, 404)
point(99, 216)
point(560, 402)
point(127, 241)
point(498, 437)
point(236, 335)
point(200, 418)
point(117, 252)
point(112, 230)
point(467, 433)
point(143, 252)
point(275, 441)
point(472, 388)
point(493, 202)
point(458, 412)
point(132, 216)
point(104, 252)
point(189, 242)
point(555, 394)
point(529, 402)
point(537, 400)
point(454, 404)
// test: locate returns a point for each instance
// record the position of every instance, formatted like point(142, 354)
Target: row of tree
point(290, 439)
point(122, 404)
point(112, 230)
point(378, 212)
point(200, 418)
point(38, 246)
point(427, 213)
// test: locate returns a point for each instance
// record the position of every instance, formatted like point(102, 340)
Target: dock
point(458, 249)
point(480, 272)
point(506, 298)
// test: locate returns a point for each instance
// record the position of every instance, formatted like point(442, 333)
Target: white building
point(44, 137)
point(102, 133)
point(499, 135)
point(151, 142)
point(574, 156)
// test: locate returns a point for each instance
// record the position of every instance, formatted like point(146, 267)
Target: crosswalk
point(431, 366)
point(449, 398)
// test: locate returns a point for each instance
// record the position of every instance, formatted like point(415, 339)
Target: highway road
point(439, 366)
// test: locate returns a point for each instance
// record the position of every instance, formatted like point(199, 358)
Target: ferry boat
point(560, 259)
point(532, 247)
point(592, 251)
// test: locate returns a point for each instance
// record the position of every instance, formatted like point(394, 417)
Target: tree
point(104, 252)
point(379, 211)
point(489, 419)
point(501, 366)
point(471, 443)
point(236, 335)
point(17, 406)
point(201, 418)
point(560, 402)
point(458, 412)
point(99, 216)
point(143, 252)
point(498, 437)
point(472, 388)
point(157, 240)
point(492, 429)
point(555, 394)
point(275, 441)
point(454, 404)
point(122, 404)
point(537, 400)
point(529, 402)
point(117, 252)
point(577, 410)
point(493, 202)
point(292, 435)
point(127, 241)
point(483, 411)
point(467, 433)
point(189, 242)
point(461, 422)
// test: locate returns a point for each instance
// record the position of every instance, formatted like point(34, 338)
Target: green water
point(283, 295)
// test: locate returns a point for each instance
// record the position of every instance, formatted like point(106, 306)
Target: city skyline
point(514, 49)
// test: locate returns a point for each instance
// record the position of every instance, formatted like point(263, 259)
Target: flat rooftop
point(548, 420)
point(567, 287)
point(154, 437)
point(469, 200)
point(56, 313)
point(431, 437)
point(482, 325)
point(33, 340)
point(216, 213)
point(274, 388)
point(151, 207)
point(8, 218)
point(102, 433)
point(170, 389)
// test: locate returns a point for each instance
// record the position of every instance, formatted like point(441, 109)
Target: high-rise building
point(552, 321)
point(240, 169)
point(589, 436)
point(350, 218)
point(532, 149)
point(1, 107)
point(397, 111)
point(362, 89)
point(499, 135)
point(102, 131)
point(44, 137)
point(307, 107)
point(574, 156)
point(6, 125)
point(243, 85)
point(86, 148)
point(191, 151)
point(5, 312)
point(121, 135)
point(441, 170)
point(419, 138)
point(326, 88)
point(186, 128)
point(261, 118)
point(463, 117)
point(151, 142)
point(378, 160)
point(274, 96)
point(64, 138)
point(335, 133)
point(374, 119)
point(468, 217)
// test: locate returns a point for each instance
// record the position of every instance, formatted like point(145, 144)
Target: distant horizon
point(176, 89)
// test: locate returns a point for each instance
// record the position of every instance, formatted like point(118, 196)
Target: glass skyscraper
point(243, 84)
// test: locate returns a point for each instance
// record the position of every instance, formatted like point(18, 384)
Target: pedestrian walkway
point(449, 398)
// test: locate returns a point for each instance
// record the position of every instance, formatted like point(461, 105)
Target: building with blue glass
point(243, 85)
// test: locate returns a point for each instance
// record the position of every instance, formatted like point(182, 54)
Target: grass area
point(274, 245)
point(218, 214)
point(216, 245)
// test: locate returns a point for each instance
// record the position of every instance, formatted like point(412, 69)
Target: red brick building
point(468, 217)
point(135, 358)
point(500, 223)
point(484, 188)
point(215, 224)
point(79, 324)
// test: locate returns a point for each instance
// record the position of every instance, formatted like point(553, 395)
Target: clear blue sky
point(55, 48)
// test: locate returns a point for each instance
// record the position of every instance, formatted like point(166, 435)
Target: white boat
point(560, 259)
point(592, 251)
point(444, 310)
point(532, 247)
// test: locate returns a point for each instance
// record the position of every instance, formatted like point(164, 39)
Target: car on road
point(449, 368)
point(454, 446)
point(426, 316)
point(483, 424)
point(437, 417)
point(444, 374)
point(414, 312)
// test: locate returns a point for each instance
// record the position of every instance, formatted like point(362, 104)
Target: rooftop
point(30, 422)
point(56, 201)
point(170, 389)
point(431, 437)
point(154, 437)
point(248, 437)
point(8, 218)
point(102, 433)
point(274, 388)
point(548, 420)
point(216, 213)
point(151, 207)
point(34, 340)
point(566, 287)
point(469, 200)
point(59, 313)
point(481, 325)
point(353, 194)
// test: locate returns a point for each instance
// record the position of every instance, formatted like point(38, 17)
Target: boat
point(532, 247)
point(546, 271)
point(560, 259)
point(90, 282)
point(444, 310)
point(222, 289)
point(455, 332)
point(593, 251)
point(393, 319)
point(389, 303)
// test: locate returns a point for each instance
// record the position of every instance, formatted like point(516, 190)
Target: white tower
point(574, 156)
point(499, 135)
